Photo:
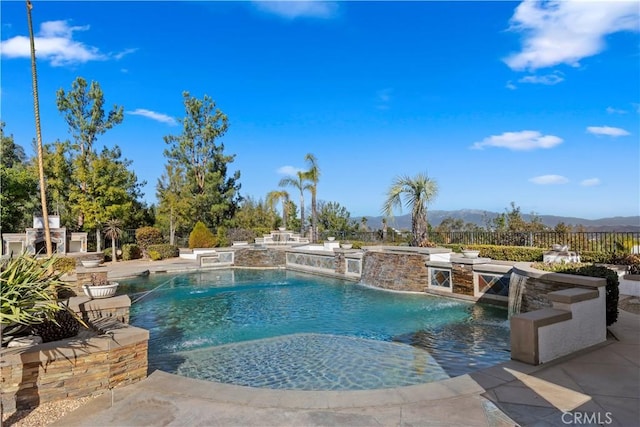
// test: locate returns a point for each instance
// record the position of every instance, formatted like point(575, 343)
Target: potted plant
point(346, 244)
point(99, 287)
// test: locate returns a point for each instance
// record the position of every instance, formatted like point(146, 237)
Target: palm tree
point(417, 193)
point(313, 176)
point(113, 231)
point(273, 197)
point(301, 185)
point(36, 109)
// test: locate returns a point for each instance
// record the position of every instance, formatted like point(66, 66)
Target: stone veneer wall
point(401, 271)
point(260, 257)
point(462, 278)
point(74, 367)
point(540, 283)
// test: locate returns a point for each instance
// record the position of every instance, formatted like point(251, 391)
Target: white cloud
point(549, 179)
point(612, 110)
point(54, 43)
point(607, 130)
point(159, 117)
point(511, 86)
point(548, 79)
point(298, 8)
point(590, 182)
point(288, 170)
point(519, 141)
point(564, 32)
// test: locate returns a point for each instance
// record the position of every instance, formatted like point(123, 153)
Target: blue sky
point(535, 103)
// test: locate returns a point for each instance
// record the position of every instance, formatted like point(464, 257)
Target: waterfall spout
point(516, 289)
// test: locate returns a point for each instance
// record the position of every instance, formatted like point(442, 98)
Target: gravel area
point(44, 414)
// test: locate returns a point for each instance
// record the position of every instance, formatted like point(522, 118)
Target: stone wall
point(79, 366)
point(116, 308)
point(540, 283)
point(260, 257)
point(395, 270)
point(462, 278)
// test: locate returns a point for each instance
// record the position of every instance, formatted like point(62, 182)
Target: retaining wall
point(110, 354)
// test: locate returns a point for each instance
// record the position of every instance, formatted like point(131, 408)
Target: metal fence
point(618, 242)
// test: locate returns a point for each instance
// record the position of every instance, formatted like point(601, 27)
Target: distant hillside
point(479, 217)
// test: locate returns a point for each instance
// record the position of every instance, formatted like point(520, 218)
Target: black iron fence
point(619, 242)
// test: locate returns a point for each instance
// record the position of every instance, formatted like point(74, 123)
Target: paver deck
point(597, 386)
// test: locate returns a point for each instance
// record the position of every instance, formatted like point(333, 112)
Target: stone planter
point(470, 253)
point(346, 245)
point(101, 291)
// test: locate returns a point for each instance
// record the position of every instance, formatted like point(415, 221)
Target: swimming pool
point(286, 330)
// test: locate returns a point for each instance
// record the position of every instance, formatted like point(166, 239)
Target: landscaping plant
point(28, 293)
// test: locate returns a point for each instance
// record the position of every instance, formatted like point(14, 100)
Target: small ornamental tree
point(201, 237)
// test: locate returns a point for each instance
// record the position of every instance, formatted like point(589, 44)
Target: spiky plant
point(28, 293)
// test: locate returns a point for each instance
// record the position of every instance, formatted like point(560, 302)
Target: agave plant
point(28, 293)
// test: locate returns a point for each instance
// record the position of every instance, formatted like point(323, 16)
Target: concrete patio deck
point(598, 386)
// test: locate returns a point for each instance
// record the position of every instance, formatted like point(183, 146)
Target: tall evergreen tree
point(174, 208)
point(83, 110)
point(214, 194)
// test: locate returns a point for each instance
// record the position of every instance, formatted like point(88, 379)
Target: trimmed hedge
point(502, 253)
point(612, 291)
point(163, 251)
point(147, 236)
point(131, 251)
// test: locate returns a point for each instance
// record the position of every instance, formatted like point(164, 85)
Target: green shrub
point(63, 325)
point(64, 264)
point(221, 237)
point(581, 269)
point(108, 255)
point(29, 292)
point(154, 255)
point(147, 236)
point(502, 253)
point(165, 250)
point(593, 257)
point(131, 251)
point(201, 237)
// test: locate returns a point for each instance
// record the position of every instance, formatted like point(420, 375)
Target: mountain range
point(480, 217)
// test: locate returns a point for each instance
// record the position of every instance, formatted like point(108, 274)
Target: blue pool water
point(286, 330)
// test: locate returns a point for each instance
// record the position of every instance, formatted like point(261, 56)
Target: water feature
point(287, 330)
point(516, 290)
